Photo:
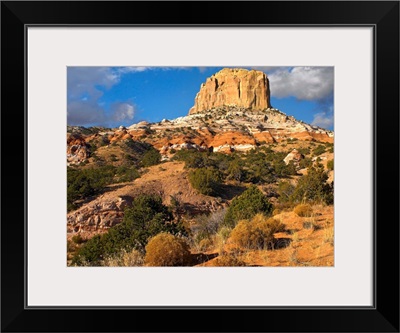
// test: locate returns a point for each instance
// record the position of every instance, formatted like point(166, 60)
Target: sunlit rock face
point(232, 86)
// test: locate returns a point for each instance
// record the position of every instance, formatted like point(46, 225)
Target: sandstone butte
point(231, 112)
point(233, 87)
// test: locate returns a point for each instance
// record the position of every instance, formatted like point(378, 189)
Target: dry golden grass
point(301, 246)
point(276, 211)
point(125, 259)
point(256, 233)
point(329, 235)
point(303, 210)
point(167, 250)
point(228, 260)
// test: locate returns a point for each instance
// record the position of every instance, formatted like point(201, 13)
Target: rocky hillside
point(197, 165)
point(232, 112)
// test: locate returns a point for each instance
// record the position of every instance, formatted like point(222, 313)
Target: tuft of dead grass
point(125, 259)
point(257, 233)
point(303, 210)
point(229, 260)
point(329, 235)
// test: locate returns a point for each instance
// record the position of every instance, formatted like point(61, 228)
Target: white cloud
point(86, 86)
point(270, 69)
point(130, 69)
point(85, 112)
point(304, 83)
point(323, 119)
point(122, 111)
point(84, 80)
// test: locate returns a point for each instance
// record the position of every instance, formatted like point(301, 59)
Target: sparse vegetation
point(240, 202)
point(248, 204)
point(320, 149)
point(229, 260)
point(125, 259)
point(146, 218)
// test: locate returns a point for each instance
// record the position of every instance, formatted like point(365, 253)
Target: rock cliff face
point(232, 86)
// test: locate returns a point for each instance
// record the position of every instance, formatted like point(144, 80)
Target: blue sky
point(114, 96)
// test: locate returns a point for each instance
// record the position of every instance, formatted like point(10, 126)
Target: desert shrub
point(303, 210)
point(312, 187)
point(304, 151)
point(137, 147)
point(258, 168)
point(192, 159)
point(248, 204)
point(126, 174)
point(305, 163)
point(207, 225)
point(92, 252)
point(78, 239)
point(319, 150)
point(224, 232)
point(82, 183)
point(235, 171)
point(205, 244)
point(151, 157)
point(229, 260)
point(283, 170)
point(285, 190)
point(167, 250)
point(146, 218)
point(206, 180)
point(256, 233)
point(329, 165)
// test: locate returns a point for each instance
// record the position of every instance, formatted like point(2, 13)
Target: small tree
point(329, 165)
point(285, 190)
point(248, 204)
point(235, 171)
point(319, 150)
point(151, 157)
point(313, 187)
point(206, 180)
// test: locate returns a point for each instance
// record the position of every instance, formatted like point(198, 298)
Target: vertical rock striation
point(233, 87)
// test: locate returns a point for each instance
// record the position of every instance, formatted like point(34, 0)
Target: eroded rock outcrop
point(233, 86)
point(77, 149)
point(294, 156)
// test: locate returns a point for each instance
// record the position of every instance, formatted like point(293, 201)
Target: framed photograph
point(200, 160)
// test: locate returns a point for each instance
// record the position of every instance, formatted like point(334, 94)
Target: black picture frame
point(383, 316)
